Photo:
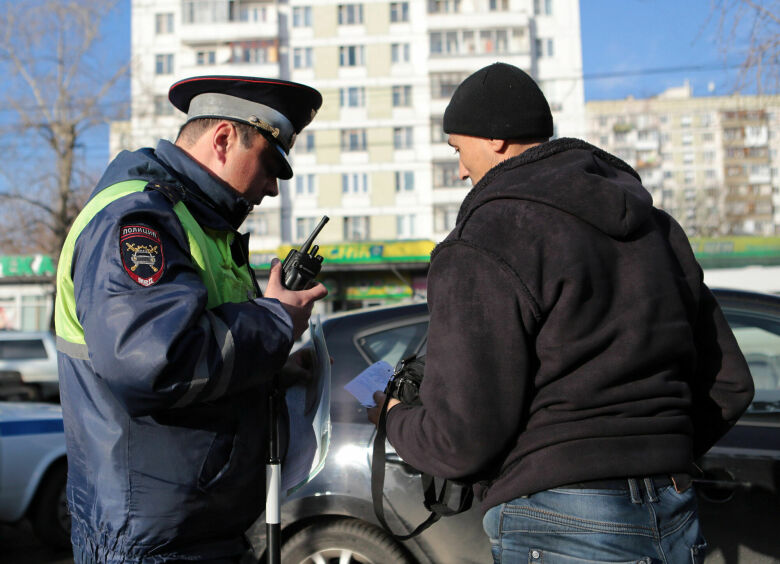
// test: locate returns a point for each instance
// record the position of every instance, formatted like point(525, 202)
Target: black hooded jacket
point(571, 335)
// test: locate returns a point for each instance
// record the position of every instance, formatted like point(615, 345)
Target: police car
point(33, 469)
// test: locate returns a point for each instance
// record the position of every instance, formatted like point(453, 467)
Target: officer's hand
point(299, 368)
point(297, 303)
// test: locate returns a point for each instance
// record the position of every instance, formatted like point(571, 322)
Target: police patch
point(142, 253)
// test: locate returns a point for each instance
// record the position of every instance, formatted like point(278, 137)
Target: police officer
point(166, 344)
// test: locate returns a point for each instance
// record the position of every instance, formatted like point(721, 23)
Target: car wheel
point(342, 541)
point(50, 515)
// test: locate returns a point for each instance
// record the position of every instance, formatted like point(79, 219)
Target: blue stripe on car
point(33, 427)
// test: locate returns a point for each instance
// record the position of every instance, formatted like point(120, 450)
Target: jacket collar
point(203, 188)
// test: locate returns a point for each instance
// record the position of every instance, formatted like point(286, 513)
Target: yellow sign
point(369, 252)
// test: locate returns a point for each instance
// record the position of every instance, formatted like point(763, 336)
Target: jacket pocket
point(218, 461)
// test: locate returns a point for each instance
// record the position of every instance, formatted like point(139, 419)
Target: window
point(391, 345)
point(707, 137)
point(350, 14)
point(205, 58)
point(27, 349)
point(163, 64)
point(445, 175)
point(305, 186)
point(356, 228)
point(498, 5)
point(444, 217)
point(545, 48)
point(443, 84)
point(256, 224)
point(305, 143)
point(162, 107)
point(353, 140)
point(351, 56)
point(443, 6)
point(255, 52)
point(437, 131)
point(543, 7)
point(354, 183)
point(758, 334)
point(404, 181)
point(399, 12)
point(402, 96)
point(353, 97)
point(400, 52)
point(403, 137)
point(303, 57)
point(301, 16)
point(304, 226)
point(163, 23)
point(404, 226)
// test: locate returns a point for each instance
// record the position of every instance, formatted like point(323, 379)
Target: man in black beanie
point(576, 364)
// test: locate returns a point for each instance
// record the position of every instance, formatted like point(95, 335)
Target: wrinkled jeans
point(637, 524)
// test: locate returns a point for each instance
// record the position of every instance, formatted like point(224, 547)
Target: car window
point(758, 336)
point(392, 345)
point(27, 349)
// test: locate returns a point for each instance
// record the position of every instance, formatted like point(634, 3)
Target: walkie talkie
point(301, 266)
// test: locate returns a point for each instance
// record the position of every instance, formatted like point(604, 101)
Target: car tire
point(342, 541)
point(50, 517)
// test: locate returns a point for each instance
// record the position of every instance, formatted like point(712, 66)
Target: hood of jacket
point(574, 177)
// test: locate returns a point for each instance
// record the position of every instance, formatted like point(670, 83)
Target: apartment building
point(375, 159)
point(711, 162)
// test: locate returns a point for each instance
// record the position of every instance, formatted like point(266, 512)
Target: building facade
point(711, 162)
point(375, 159)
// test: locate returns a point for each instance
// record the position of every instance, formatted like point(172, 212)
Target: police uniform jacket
point(164, 416)
point(571, 335)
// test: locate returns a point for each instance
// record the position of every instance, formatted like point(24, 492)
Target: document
point(309, 411)
point(372, 379)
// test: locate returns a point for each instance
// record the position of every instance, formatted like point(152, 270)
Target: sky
point(629, 47)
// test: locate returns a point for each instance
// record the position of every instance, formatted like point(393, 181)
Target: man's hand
point(374, 412)
point(297, 303)
point(298, 369)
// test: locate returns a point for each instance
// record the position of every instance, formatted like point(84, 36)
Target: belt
point(659, 481)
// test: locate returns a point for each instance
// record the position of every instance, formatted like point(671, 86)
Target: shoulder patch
point(142, 253)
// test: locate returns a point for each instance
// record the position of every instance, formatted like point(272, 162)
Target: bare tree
point(750, 31)
point(60, 84)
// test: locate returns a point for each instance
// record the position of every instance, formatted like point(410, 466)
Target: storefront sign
point(373, 252)
point(30, 265)
point(713, 252)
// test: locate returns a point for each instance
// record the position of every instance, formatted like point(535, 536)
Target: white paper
point(372, 379)
point(309, 430)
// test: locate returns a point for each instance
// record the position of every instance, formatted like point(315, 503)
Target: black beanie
point(499, 101)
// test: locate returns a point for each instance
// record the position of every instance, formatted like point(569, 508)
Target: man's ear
point(222, 138)
point(499, 145)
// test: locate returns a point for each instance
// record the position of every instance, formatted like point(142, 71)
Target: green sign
point(369, 252)
point(26, 265)
point(725, 252)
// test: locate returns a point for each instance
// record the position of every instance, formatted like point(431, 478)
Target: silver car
point(331, 519)
point(28, 365)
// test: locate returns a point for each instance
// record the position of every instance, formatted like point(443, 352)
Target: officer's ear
point(223, 136)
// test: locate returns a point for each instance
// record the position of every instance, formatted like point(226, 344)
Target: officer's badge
point(142, 253)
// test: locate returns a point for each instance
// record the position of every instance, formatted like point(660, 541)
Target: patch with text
point(142, 253)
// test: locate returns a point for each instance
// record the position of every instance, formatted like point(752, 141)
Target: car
point(28, 366)
point(33, 470)
point(331, 518)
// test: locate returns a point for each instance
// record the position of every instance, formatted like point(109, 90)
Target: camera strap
point(435, 503)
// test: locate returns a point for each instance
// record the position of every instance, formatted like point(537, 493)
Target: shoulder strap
point(433, 502)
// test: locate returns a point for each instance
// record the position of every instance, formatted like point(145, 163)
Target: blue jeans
point(640, 523)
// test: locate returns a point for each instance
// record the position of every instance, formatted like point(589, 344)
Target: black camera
point(404, 384)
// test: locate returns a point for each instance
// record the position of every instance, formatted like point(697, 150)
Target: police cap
point(279, 109)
